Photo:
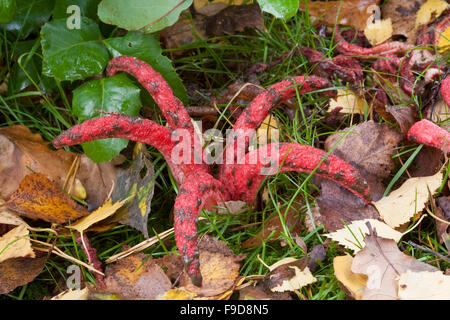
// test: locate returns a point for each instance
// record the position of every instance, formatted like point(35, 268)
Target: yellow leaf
point(379, 31)
point(105, 211)
point(177, 294)
point(69, 294)
point(424, 285)
point(354, 282)
point(349, 101)
point(444, 40)
point(16, 244)
point(431, 9)
point(402, 204)
point(352, 236)
point(300, 279)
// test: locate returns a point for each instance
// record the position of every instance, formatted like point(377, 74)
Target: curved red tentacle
point(273, 158)
point(430, 134)
point(200, 190)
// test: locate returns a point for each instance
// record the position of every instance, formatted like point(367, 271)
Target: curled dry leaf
point(405, 202)
point(136, 278)
point(289, 274)
point(351, 12)
point(17, 272)
point(219, 268)
point(15, 244)
point(40, 198)
point(355, 283)
point(383, 263)
point(21, 150)
point(424, 285)
point(352, 235)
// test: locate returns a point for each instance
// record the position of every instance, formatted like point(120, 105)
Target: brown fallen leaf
point(39, 198)
point(136, 278)
point(427, 162)
point(318, 254)
point(172, 265)
point(351, 12)
point(442, 211)
point(22, 149)
point(219, 268)
point(17, 272)
point(354, 283)
point(261, 292)
point(405, 116)
point(15, 244)
point(289, 274)
point(383, 263)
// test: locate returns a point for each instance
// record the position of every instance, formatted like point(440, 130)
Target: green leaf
point(88, 8)
point(112, 94)
point(7, 10)
point(130, 183)
point(31, 14)
point(72, 54)
point(146, 15)
point(146, 48)
point(283, 9)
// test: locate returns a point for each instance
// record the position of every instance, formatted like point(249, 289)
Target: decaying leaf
point(289, 274)
point(355, 283)
point(22, 150)
point(379, 31)
point(177, 294)
point(9, 217)
point(136, 278)
point(17, 272)
point(40, 198)
point(352, 235)
point(383, 263)
point(219, 268)
point(268, 131)
point(405, 202)
point(351, 12)
point(15, 244)
point(105, 211)
point(349, 102)
point(429, 11)
point(131, 184)
point(424, 285)
point(405, 116)
point(171, 264)
point(70, 294)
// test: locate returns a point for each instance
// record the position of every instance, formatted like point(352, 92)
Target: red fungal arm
point(445, 89)
point(293, 157)
point(200, 190)
point(430, 134)
point(122, 126)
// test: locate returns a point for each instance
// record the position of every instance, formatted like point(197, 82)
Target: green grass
point(213, 64)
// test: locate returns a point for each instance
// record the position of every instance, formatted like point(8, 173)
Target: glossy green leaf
point(146, 48)
point(146, 15)
point(283, 9)
point(73, 54)
point(88, 8)
point(30, 15)
point(112, 94)
point(7, 10)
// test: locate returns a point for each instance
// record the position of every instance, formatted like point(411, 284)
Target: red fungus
point(445, 89)
point(430, 134)
point(198, 189)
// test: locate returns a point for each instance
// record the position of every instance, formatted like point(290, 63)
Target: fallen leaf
point(177, 294)
point(212, 7)
point(17, 272)
point(405, 202)
point(318, 253)
point(172, 265)
point(379, 31)
point(349, 102)
point(22, 150)
point(16, 244)
point(351, 12)
point(352, 235)
point(383, 263)
point(70, 294)
point(131, 184)
point(355, 283)
point(105, 211)
point(427, 162)
point(429, 11)
point(424, 285)
point(219, 268)
point(9, 217)
point(136, 278)
point(39, 198)
point(289, 274)
point(405, 116)
point(444, 41)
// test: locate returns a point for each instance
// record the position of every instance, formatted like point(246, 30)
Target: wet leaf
point(130, 184)
point(219, 268)
point(19, 271)
point(39, 198)
point(16, 244)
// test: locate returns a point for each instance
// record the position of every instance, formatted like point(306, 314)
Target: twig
point(428, 250)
